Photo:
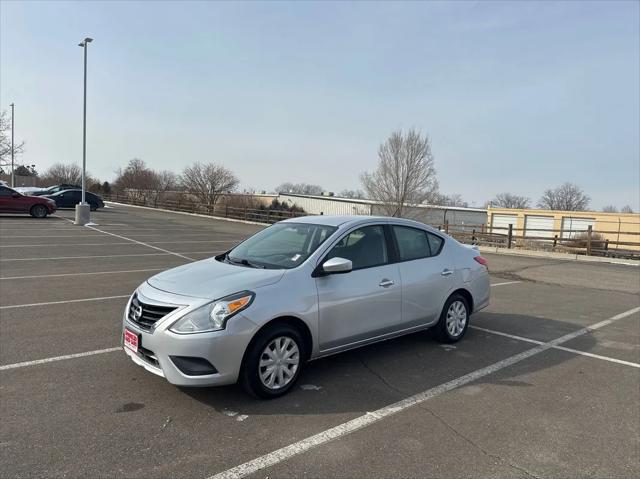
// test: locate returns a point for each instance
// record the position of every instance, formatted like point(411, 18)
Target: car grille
point(150, 313)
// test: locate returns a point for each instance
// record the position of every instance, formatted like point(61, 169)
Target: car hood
point(37, 199)
point(212, 279)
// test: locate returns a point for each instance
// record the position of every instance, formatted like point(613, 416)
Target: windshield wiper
point(244, 262)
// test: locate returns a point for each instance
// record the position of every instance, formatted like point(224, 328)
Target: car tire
point(454, 319)
point(39, 211)
point(93, 206)
point(286, 345)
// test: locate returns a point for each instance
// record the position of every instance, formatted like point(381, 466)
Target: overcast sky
point(516, 96)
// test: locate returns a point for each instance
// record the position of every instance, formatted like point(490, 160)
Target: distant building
point(615, 227)
point(429, 214)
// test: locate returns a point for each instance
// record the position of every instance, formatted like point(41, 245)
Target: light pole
point(83, 209)
point(13, 176)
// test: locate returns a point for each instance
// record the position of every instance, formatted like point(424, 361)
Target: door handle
point(446, 272)
point(385, 283)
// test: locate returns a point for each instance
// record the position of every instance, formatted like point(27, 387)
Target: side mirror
point(15, 195)
point(337, 266)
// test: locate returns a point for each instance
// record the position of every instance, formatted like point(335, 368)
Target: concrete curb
point(233, 220)
point(565, 256)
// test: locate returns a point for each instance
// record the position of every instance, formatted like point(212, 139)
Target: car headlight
point(213, 316)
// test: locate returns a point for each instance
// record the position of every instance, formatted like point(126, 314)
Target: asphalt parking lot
point(545, 384)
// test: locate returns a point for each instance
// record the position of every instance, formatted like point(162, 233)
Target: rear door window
point(412, 243)
point(436, 243)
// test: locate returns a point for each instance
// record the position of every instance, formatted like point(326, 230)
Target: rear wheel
point(39, 211)
point(273, 362)
point(454, 319)
point(93, 206)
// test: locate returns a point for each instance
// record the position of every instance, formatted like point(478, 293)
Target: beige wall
point(624, 227)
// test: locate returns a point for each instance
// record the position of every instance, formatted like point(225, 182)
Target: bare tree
point(355, 194)
point(626, 209)
point(300, 189)
point(161, 182)
point(609, 209)
point(208, 181)
point(566, 197)
point(405, 174)
point(449, 200)
point(510, 200)
point(135, 180)
point(60, 173)
point(5, 141)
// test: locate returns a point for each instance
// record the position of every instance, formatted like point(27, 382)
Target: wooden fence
point(247, 213)
point(588, 242)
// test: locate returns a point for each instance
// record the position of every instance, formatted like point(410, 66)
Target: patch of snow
point(310, 387)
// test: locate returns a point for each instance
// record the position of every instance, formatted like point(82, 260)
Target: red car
point(13, 202)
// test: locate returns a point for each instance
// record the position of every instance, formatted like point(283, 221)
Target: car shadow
point(377, 375)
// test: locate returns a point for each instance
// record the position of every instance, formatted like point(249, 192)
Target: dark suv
point(55, 189)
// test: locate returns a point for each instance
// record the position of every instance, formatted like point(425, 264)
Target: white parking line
point(83, 235)
point(89, 235)
point(36, 276)
point(117, 243)
point(506, 283)
point(104, 298)
point(369, 418)
point(562, 348)
point(58, 358)
point(598, 356)
point(166, 253)
point(141, 243)
point(507, 335)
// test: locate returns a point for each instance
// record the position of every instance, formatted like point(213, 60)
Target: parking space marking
point(598, 356)
point(286, 452)
point(112, 244)
point(166, 253)
point(58, 358)
point(143, 244)
point(82, 274)
point(507, 335)
point(103, 298)
point(83, 235)
point(505, 283)
point(562, 348)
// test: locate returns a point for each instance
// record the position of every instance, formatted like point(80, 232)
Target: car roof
point(353, 220)
point(70, 189)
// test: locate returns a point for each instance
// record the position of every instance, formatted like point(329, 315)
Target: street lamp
point(13, 176)
point(83, 209)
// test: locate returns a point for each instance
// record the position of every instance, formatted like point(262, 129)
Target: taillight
point(482, 261)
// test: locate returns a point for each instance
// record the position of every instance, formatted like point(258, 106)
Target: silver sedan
point(297, 291)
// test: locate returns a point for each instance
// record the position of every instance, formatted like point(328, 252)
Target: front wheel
point(273, 362)
point(454, 320)
point(39, 211)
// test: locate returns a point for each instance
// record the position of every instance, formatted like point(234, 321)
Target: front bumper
point(222, 349)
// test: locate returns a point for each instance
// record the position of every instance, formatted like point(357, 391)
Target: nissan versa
point(299, 290)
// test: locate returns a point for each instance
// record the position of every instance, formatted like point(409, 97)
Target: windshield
point(283, 245)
